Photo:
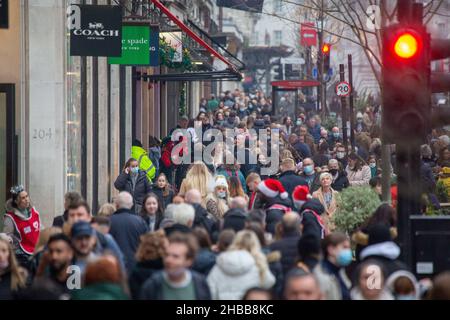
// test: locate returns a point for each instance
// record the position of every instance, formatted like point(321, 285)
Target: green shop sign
point(140, 46)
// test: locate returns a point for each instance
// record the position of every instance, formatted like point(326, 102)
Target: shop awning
point(232, 67)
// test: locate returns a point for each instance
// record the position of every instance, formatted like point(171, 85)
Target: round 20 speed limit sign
point(343, 89)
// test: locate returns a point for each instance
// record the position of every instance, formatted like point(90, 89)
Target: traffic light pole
point(409, 195)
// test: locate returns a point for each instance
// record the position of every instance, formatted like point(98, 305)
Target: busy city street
point(224, 150)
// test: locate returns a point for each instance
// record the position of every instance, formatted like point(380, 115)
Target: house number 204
point(42, 134)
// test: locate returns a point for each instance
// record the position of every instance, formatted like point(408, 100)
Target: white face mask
point(340, 155)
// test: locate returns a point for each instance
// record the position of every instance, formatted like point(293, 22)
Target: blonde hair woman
point(241, 267)
point(218, 201)
point(198, 177)
point(327, 197)
point(12, 277)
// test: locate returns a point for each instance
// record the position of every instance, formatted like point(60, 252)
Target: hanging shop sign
point(98, 33)
point(174, 40)
point(140, 46)
point(308, 34)
point(4, 14)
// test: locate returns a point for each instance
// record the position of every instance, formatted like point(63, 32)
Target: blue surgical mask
point(298, 122)
point(336, 134)
point(135, 170)
point(405, 297)
point(372, 165)
point(222, 194)
point(344, 257)
point(308, 169)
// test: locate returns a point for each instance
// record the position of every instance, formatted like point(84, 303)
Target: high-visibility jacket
point(144, 161)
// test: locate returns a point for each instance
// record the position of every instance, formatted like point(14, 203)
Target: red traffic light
point(326, 48)
point(406, 46)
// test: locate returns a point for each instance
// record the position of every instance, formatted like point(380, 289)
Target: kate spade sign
point(140, 46)
point(4, 16)
point(95, 30)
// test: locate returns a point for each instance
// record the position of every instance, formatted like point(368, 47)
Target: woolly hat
point(220, 181)
point(300, 196)
point(272, 188)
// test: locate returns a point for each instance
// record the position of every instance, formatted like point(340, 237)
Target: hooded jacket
point(386, 253)
point(234, 273)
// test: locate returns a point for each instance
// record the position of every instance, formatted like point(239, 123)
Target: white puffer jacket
point(234, 273)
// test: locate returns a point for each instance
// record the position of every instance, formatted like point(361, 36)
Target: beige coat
point(360, 177)
point(329, 210)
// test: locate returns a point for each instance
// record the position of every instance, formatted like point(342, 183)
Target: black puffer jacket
point(273, 216)
point(341, 181)
point(204, 261)
point(165, 200)
point(205, 220)
point(288, 249)
point(124, 183)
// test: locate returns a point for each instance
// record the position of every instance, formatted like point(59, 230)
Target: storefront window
point(73, 116)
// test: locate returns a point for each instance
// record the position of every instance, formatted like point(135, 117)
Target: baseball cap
point(82, 229)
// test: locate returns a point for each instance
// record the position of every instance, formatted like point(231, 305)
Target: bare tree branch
point(434, 12)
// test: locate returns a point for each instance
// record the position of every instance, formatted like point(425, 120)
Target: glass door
point(8, 150)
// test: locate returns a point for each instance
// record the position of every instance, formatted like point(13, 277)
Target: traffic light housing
point(326, 50)
point(406, 83)
point(278, 71)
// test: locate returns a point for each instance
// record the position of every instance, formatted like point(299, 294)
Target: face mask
point(333, 171)
point(405, 297)
point(359, 120)
point(336, 134)
point(230, 120)
point(4, 265)
point(242, 109)
point(340, 155)
point(308, 169)
point(298, 122)
point(135, 170)
point(344, 257)
point(372, 165)
point(222, 194)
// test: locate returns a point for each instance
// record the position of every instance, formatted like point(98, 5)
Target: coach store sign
point(95, 30)
point(4, 16)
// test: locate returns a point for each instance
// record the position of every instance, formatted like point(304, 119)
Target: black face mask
point(230, 120)
point(333, 171)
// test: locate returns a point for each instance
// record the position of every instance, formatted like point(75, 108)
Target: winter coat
point(274, 215)
point(142, 271)
point(9, 227)
point(126, 229)
point(100, 291)
point(329, 282)
point(165, 200)
point(205, 220)
point(152, 288)
point(310, 222)
point(287, 246)
point(204, 261)
point(5, 287)
point(234, 273)
point(386, 254)
point(289, 180)
point(276, 268)
point(312, 181)
point(303, 150)
point(360, 177)
point(315, 132)
point(329, 210)
point(140, 190)
point(341, 182)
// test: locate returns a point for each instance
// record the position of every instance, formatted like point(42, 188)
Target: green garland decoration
point(166, 54)
point(182, 104)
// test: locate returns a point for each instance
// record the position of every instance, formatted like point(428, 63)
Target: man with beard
point(58, 258)
point(177, 281)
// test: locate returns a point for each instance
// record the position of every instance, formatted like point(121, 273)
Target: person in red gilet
point(22, 224)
